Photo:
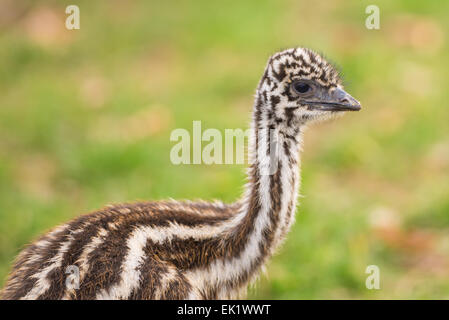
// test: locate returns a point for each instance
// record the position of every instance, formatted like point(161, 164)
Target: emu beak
point(343, 101)
point(337, 100)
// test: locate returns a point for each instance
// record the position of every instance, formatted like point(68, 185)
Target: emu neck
point(270, 197)
point(265, 215)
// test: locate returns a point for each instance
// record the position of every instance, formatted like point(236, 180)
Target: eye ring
point(301, 87)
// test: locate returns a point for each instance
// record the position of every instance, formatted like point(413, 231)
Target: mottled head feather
point(291, 64)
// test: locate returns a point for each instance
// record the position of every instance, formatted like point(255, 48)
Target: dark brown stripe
point(151, 271)
point(108, 258)
point(57, 276)
point(48, 253)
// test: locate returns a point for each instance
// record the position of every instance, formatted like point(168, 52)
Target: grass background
point(86, 115)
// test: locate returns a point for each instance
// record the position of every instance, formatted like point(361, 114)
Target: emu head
point(299, 86)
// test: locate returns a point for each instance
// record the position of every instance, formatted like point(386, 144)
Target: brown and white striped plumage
point(187, 250)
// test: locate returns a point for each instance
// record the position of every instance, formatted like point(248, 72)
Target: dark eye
point(301, 87)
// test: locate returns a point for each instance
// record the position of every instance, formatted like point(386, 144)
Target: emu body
point(194, 250)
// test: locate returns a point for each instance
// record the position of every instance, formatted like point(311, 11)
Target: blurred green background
point(86, 116)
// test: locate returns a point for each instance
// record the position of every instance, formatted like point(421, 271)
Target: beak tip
point(346, 100)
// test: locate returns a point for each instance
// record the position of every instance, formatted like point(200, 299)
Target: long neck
point(271, 192)
point(269, 202)
point(266, 211)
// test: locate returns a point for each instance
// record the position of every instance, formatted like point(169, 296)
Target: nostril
point(344, 100)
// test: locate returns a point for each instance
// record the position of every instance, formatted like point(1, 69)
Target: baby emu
point(194, 250)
